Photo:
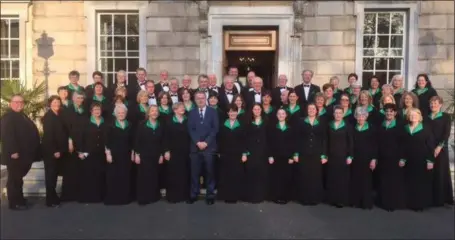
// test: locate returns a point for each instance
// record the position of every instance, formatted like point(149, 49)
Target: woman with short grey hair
point(365, 155)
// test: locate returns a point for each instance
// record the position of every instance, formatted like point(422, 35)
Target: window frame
point(9, 39)
point(410, 36)
point(92, 8)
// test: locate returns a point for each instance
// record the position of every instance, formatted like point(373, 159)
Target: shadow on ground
point(221, 221)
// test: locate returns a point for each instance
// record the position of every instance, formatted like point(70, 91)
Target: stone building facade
point(185, 37)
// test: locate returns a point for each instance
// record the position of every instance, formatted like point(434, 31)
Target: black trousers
point(17, 169)
point(51, 172)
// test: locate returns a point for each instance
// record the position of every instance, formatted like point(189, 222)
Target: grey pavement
point(222, 221)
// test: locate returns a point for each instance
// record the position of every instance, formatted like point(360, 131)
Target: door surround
point(219, 16)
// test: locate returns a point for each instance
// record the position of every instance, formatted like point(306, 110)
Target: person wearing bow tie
point(203, 82)
point(120, 81)
point(186, 84)
point(174, 90)
point(276, 92)
point(163, 85)
point(135, 86)
point(212, 83)
point(306, 90)
point(151, 93)
point(255, 96)
point(234, 72)
point(227, 92)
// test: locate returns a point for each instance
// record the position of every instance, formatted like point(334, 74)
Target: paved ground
point(222, 221)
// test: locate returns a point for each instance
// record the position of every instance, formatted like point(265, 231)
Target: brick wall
point(173, 39)
point(329, 40)
point(64, 23)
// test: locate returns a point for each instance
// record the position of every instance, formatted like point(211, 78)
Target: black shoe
point(210, 201)
point(191, 201)
point(18, 207)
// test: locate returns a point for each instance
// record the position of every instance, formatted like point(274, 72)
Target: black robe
point(93, 167)
point(294, 115)
point(391, 176)
point(442, 179)
point(231, 148)
point(397, 95)
point(376, 98)
point(424, 100)
point(365, 150)
point(118, 173)
point(417, 149)
point(256, 167)
point(147, 181)
point(340, 147)
point(177, 169)
point(311, 147)
point(106, 107)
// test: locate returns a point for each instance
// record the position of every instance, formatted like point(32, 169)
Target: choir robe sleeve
point(442, 140)
point(10, 143)
point(375, 144)
point(138, 144)
point(430, 143)
point(49, 140)
point(350, 141)
point(325, 135)
point(167, 137)
point(108, 137)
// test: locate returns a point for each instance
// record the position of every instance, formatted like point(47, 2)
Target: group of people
point(125, 142)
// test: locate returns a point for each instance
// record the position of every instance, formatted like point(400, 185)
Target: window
point(384, 40)
point(117, 44)
point(9, 44)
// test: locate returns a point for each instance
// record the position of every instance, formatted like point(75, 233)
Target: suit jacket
point(159, 88)
point(223, 101)
point(203, 131)
point(276, 96)
point(249, 98)
point(303, 100)
point(133, 88)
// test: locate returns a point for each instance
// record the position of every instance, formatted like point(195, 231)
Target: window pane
point(120, 53)
point(366, 76)
point(5, 69)
point(396, 52)
point(119, 24)
point(107, 65)
point(383, 41)
point(119, 43)
point(368, 52)
point(15, 69)
point(106, 53)
point(381, 52)
point(4, 48)
point(133, 64)
point(368, 63)
point(395, 63)
point(133, 24)
point(120, 64)
point(14, 25)
point(105, 43)
point(105, 27)
point(381, 63)
point(133, 53)
point(397, 23)
point(4, 28)
point(369, 23)
point(14, 48)
point(368, 41)
point(133, 43)
point(383, 22)
point(382, 77)
point(397, 42)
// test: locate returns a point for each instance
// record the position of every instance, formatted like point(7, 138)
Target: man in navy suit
point(203, 127)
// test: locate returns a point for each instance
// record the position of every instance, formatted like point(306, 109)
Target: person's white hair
point(361, 111)
point(119, 107)
point(356, 85)
point(228, 77)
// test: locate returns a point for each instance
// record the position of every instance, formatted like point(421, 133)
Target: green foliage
point(450, 103)
point(34, 103)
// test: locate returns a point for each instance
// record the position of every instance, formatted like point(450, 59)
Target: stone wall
point(173, 39)
point(64, 24)
point(436, 42)
point(329, 39)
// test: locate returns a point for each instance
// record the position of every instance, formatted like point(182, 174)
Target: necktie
point(201, 114)
point(142, 83)
point(173, 94)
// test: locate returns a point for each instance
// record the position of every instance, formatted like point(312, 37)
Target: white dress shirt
point(306, 88)
point(229, 95)
point(203, 111)
point(152, 101)
point(257, 97)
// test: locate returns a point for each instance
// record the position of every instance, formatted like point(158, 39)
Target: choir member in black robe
point(375, 91)
point(284, 98)
point(213, 102)
point(120, 82)
point(418, 159)
point(354, 96)
point(348, 115)
point(122, 91)
point(440, 123)
point(276, 92)
point(385, 99)
point(98, 96)
point(93, 158)
point(268, 108)
point(76, 121)
point(74, 86)
point(330, 100)
point(335, 81)
point(20, 148)
point(397, 88)
point(118, 144)
point(149, 148)
point(323, 113)
point(186, 97)
point(293, 109)
point(366, 101)
point(63, 94)
point(282, 150)
point(352, 80)
point(256, 166)
point(233, 155)
point(340, 153)
point(137, 112)
point(365, 158)
point(312, 154)
point(97, 77)
point(165, 106)
point(186, 85)
point(54, 148)
point(177, 156)
point(408, 101)
point(391, 186)
point(241, 105)
point(424, 91)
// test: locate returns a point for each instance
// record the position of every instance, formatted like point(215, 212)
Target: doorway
point(252, 48)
